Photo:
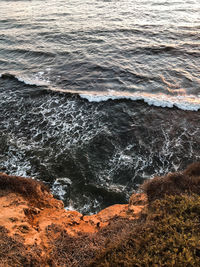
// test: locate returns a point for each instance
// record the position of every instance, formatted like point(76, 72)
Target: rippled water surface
point(96, 96)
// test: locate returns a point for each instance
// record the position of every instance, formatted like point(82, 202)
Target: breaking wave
point(182, 101)
point(34, 81)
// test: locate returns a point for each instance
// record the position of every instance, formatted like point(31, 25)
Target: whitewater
point(96, 96)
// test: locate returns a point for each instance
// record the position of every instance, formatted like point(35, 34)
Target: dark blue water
point(96, 96)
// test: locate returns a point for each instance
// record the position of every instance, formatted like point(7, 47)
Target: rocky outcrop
point(31, 216)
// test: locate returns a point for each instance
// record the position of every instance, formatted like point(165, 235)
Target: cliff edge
point(159, 227)
point(33, 219)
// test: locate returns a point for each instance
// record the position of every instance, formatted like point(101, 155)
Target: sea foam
point(187, 102)
point(184, 102)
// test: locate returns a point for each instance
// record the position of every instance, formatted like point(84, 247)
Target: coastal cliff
point(33, 220)
point(157, 226)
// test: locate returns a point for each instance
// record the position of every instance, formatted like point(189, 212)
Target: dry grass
point(176, 183)
point(28, 188)
point(14, 253)
point(78, 251)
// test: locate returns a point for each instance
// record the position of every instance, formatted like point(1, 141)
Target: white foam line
point(184, 102)
point(37, 80)
point(187, 102)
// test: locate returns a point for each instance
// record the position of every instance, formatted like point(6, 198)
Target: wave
point(184, 102)
point(159, 100)
point(162, 49)
point(36, 81)
point(36, 53)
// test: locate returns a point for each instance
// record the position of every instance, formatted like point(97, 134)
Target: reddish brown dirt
point(22, 218)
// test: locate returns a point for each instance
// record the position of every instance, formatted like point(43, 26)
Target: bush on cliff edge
point(176, 183)
point(170, 236)
point(28, 188)
point(168, 232)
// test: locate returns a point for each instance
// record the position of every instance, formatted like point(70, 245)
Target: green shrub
point(169, 237)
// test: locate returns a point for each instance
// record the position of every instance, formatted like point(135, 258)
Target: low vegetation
point(177, 183)
point(170, 236)
point(28, 188)
point(166, 234)
point(78, 251)
point(14, 253)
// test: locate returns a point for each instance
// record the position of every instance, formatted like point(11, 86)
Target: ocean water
point(97, 96)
